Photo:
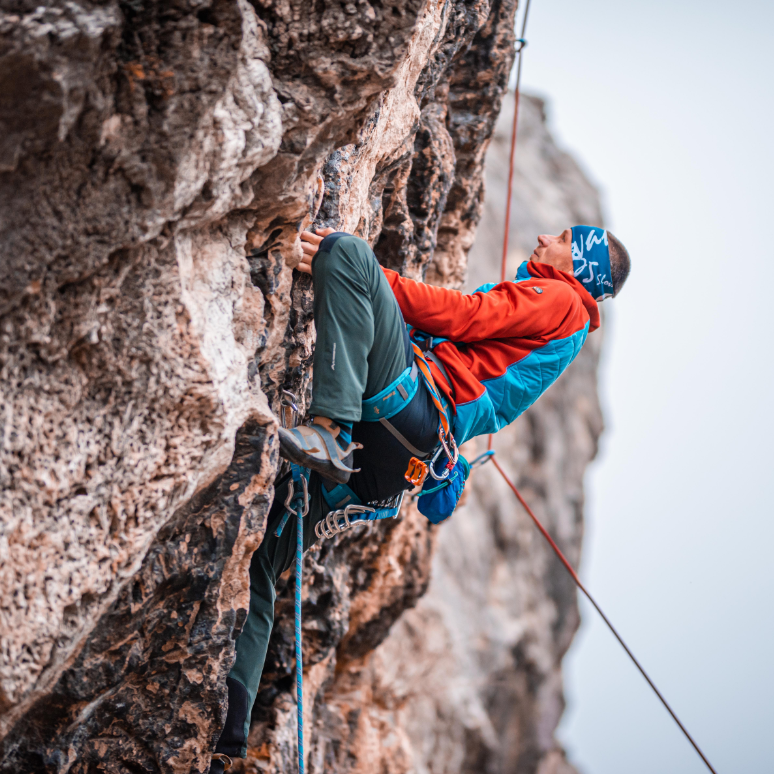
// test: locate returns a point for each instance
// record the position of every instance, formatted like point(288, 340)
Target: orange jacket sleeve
point(539, 308)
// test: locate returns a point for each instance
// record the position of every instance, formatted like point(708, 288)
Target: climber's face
point(555, 251)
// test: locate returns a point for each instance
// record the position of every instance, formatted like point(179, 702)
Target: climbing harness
point(397, 395)
point(393, 398)
point(489, 454)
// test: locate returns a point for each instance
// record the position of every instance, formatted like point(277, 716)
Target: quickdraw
point(338, 521)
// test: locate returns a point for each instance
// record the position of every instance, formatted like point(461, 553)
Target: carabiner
point(451, 456)
point(288, 407)
point(304, 494)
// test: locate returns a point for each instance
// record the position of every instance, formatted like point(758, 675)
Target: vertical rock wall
point(157, 160)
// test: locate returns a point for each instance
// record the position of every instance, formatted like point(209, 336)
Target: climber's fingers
point(313, 239)
point(308, 239)
point(305, 267)
point(307, 245)
point(310, 243)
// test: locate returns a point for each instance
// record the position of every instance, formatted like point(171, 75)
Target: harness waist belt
point(393, 398)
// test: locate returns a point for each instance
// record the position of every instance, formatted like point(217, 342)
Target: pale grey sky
point(669, 106)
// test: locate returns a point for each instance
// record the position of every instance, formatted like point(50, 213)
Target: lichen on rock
point(157, 162)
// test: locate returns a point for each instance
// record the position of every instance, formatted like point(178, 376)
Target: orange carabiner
point(417, 472)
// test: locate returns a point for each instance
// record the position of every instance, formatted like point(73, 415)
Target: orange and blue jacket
point(503, 346)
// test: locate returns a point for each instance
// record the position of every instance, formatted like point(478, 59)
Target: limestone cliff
point(157, 160)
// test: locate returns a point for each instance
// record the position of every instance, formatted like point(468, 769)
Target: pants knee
point(345, 254)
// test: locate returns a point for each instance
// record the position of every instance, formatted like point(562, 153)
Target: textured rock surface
point(157, 160)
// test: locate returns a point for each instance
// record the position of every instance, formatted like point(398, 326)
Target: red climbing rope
point(514, 128)
point(522, 43)
point(591, 599)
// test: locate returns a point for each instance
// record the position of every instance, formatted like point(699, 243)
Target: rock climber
point(375, 418)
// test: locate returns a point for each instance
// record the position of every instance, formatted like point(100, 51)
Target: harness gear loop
point(417, 472)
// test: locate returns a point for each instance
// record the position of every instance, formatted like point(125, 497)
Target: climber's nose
point(545, 239)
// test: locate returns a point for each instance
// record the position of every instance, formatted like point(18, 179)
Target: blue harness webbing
point(393, 398)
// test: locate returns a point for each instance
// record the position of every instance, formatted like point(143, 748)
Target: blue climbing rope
point(299, 657)
point(297, 502)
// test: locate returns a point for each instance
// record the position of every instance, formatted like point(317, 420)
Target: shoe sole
point(291, 452)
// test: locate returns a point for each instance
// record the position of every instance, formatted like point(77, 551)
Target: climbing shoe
point(315, 447)
point(220, 763)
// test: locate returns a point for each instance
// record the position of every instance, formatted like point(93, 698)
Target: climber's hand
point(310, 244)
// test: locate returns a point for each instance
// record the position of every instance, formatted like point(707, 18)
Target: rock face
point(157, 160)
